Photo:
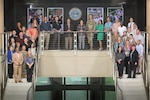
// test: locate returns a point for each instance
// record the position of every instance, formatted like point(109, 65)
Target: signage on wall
point(97, 12)
point(115, 12)
point(75, 13)
point(52, 12)
point(34, 13)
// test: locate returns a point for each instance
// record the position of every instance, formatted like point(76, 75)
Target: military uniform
point(23, 75)
point(90, 35)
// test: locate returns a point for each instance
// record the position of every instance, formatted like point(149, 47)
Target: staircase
point(16, 91)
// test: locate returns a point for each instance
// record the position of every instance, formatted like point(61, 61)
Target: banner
point(36, 13)
point(115, 12)
point(52, 12)
point(97, 12)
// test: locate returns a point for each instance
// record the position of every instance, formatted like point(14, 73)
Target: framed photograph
point(115, 12)
point(34, 13)
point(52, 12)
point(97, 12)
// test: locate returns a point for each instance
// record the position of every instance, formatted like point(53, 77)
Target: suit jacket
point(17, 60)
point(71, 28)
point(135, 58)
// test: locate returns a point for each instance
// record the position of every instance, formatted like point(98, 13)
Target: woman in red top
point(33, 31)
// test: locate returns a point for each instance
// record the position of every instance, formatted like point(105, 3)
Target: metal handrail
point(115, 77)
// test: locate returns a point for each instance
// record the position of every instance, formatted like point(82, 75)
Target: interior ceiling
point(71, 1)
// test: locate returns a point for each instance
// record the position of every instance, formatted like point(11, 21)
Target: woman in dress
point(100, 36)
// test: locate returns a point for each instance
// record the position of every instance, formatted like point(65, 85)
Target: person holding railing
point(108, 24)
point(140, 50)
point(100, 34)
point(57, 29)
point(17, 59)
point(29, 60)
point(10, 62)
point(68, 36)
point(120, 56)
point(46, 28)
point(133, 62)
point(81, 35)
point(90, 24)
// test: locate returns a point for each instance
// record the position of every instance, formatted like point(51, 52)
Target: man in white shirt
point(140, 50)
point(129, 31)
point(121, 29)
point(130, 24)
point(138, 36)
point(134, 29)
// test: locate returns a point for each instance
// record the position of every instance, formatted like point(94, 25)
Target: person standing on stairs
point(29, 60)
point(133, 62)
point(120, 56)
point(17, 59)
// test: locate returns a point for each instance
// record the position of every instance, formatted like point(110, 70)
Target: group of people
point(128, 43)
point(90, 27)
point(22, 52)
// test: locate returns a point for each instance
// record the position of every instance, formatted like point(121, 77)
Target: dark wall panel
point(18, 8)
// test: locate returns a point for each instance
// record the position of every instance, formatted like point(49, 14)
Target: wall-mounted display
point(34, 13)
point(75, 13)
point(52, 12)
point(97, 12)
point(115, 12)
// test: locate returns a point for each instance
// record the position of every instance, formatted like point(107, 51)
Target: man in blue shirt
point(46, 28)
point(108, 25)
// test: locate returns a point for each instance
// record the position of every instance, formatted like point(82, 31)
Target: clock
point(75, 13)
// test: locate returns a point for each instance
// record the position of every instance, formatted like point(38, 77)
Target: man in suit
point(133, 61)
point(17, 59)
point(68, 35)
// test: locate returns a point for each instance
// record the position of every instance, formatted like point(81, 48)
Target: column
point(1, 21)
point(148, 20)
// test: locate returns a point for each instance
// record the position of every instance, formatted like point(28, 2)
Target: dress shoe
point(138, 73)
point(20, 81)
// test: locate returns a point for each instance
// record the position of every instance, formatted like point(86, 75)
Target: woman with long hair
point(120, 56)
point(100, 35)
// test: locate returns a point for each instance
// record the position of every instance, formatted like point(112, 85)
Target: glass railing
point(74, 40)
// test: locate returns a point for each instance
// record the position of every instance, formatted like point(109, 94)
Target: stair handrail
point(35, 71)
point(115, 76)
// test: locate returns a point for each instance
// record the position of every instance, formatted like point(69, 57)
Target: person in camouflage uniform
point(91, 24)
point(24, 53)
